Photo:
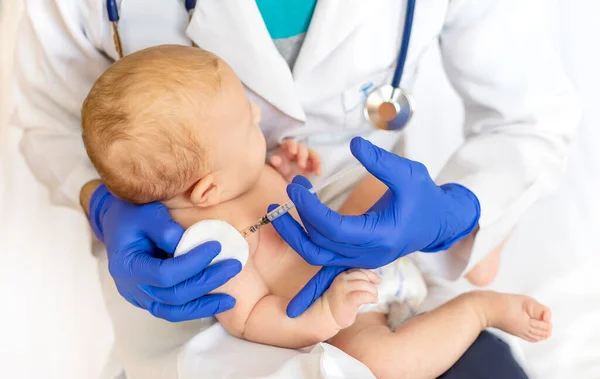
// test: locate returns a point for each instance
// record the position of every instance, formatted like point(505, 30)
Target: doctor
point(309, 65)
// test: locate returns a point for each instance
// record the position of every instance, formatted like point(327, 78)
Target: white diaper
point(233, 245)
point(401, 291)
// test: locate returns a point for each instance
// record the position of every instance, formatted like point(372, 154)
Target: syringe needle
point(289, 205)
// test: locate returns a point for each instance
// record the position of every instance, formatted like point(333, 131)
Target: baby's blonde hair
point(139, 121)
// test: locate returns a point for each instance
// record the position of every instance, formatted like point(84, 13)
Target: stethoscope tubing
point(410, 12)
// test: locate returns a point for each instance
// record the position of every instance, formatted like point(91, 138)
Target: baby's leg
point(428, 345)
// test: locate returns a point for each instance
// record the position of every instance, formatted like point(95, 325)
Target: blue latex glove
point(138, 239)
point(414, 214)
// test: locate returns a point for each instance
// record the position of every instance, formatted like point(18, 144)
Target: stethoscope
point(113, 17)
point(387, 107)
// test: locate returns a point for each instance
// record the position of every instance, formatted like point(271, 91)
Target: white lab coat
point(520, 110)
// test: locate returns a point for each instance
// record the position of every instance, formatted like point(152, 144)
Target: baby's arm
point(268, 323)
point(261, 317)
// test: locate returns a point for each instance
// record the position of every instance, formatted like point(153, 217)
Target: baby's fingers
point(314, 162)
point(282, 165)
point(302, 157)
point(361, 286)
point(361, 297)
point(362, 274)
point(289, 147)
point(372, 276)
point(275, 160)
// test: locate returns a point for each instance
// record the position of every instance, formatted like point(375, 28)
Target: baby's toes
point(530, 337)
point(539, 325)
point(547, 315)
point(536, 310)
point(539, 330)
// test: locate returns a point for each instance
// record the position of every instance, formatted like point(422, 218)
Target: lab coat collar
point(332, 22)
point(236, 32)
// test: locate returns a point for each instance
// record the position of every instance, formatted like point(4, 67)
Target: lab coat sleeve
point(55, 66)
point(520, 115)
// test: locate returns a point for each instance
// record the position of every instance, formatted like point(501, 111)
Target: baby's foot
point(348, 292)
point(520, 316)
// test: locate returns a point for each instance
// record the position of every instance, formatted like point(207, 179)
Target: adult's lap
point(488, 357)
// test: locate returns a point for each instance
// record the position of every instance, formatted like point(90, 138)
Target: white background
point(52, 320)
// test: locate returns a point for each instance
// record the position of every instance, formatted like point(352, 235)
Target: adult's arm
point(86, 194)
point(521, 113)
point(56, 65)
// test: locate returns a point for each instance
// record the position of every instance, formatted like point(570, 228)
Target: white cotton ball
point(233, 245)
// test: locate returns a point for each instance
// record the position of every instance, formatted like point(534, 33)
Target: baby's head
point(173, 124)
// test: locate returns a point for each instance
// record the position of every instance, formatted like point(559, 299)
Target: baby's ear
point(204, 193)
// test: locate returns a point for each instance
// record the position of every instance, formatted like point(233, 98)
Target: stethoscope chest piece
point(389, 108)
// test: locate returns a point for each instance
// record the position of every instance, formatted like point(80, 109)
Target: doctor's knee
point(486, 271)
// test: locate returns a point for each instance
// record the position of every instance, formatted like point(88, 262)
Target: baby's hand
point(348, 292)
point(294, 158)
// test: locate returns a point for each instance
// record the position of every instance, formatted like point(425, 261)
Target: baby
point(173, 124)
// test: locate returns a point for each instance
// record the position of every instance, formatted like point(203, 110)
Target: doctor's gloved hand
point(138, 239)
point(414, 214)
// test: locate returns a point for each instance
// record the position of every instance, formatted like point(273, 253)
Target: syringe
point(286, 207)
